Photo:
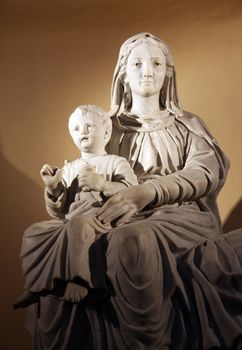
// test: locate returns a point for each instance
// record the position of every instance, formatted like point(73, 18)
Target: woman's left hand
point(123, 205)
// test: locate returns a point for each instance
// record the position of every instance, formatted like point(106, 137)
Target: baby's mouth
point(84, 138)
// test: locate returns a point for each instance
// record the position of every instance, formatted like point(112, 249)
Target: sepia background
point(55, 55)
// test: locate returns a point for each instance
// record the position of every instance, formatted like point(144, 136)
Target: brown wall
point(55, 55)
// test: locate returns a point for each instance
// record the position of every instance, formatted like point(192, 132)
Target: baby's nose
point(84, 129)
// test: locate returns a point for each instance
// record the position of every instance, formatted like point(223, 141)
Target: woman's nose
point(147, 70)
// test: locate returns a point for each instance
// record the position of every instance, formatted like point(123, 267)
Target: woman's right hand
point(51, 177)
point(126, 203)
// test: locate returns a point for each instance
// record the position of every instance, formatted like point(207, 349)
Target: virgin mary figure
point(173, 280)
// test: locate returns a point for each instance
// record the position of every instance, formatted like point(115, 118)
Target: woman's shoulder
point(196, 125)
point(191, 118)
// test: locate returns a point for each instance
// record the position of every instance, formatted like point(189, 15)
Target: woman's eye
point(157, 64)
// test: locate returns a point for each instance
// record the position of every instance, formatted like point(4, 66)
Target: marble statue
point(164, 275)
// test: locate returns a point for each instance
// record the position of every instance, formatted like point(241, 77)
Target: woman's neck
point(145, 105)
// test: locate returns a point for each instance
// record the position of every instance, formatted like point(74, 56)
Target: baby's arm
point(55, 191)
point(52, 178)
point(91, 181)
point(110, 188)
point(122, 176)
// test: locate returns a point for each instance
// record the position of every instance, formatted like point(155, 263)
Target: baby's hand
point(90, 181)
point(51, 176)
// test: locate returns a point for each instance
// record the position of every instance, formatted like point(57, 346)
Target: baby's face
point(88, 133)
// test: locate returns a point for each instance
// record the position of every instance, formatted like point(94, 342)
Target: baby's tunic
point(58, 250)
point(72, 201)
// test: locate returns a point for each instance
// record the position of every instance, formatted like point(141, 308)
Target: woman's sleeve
point(199, 177)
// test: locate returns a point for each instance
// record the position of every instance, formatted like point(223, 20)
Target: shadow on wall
point(234, 219)
point(21, 204)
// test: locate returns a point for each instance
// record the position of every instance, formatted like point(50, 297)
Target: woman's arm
point(199, 177)
point(126, 203)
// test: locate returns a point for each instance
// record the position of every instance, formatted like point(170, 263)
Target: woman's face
point(146, 70)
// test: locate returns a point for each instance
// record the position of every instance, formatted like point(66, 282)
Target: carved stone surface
point(153, 261)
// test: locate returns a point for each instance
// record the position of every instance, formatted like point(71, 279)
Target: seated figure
point(172, 279)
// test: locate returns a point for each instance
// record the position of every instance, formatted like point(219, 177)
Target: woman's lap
point(172, 274)
point(168, 276)
point(56, 250)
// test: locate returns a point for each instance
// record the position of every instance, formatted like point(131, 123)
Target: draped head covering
point(121, 103)
point(121, 99)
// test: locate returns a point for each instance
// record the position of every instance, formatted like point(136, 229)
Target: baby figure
point(59, 250)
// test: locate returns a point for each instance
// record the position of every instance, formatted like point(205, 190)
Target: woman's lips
point(147, 82)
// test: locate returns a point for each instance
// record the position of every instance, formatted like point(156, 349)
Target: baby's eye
point(91, 127)
point(76, 128)
point(138, 64)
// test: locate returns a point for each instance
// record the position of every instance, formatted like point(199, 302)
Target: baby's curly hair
point(94, 110)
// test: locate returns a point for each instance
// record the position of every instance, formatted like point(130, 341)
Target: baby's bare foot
point(74, 292)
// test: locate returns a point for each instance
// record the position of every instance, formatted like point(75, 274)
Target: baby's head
point(90, 128)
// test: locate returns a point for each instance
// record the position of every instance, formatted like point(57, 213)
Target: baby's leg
point(81, 235)
point(82, 232)
point(26, 299)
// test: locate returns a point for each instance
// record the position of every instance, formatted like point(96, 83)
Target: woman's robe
point(173, 281)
